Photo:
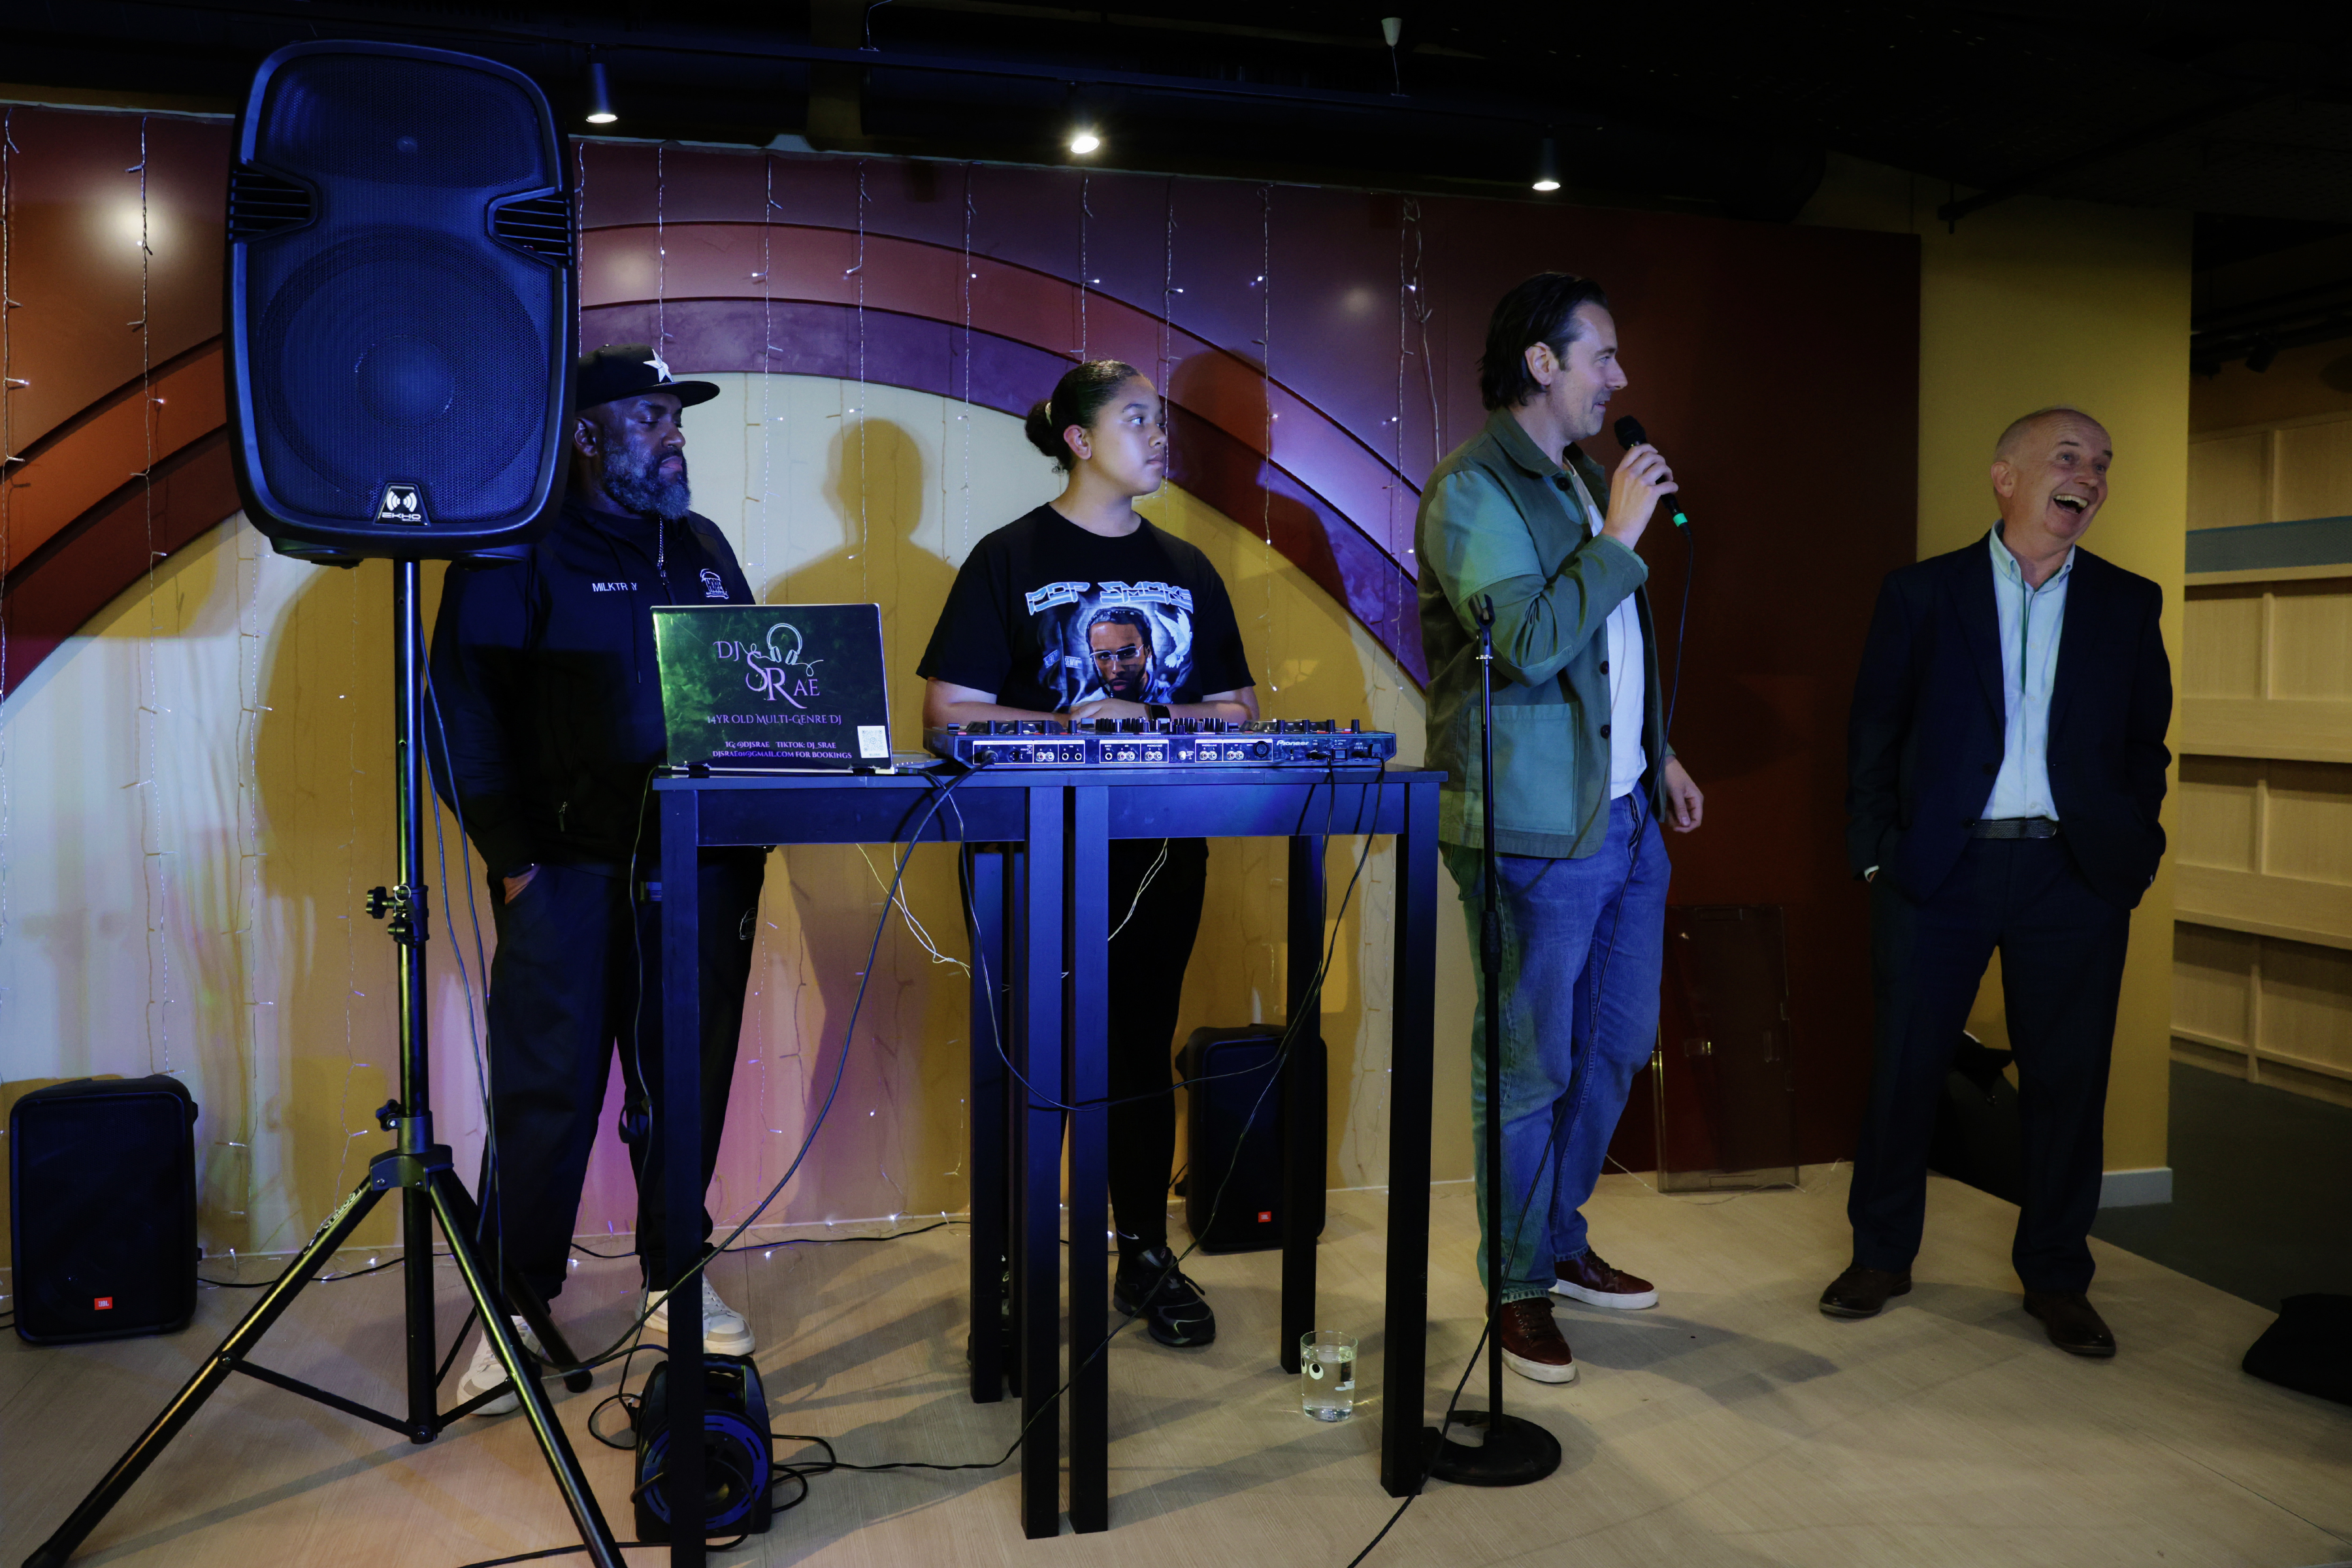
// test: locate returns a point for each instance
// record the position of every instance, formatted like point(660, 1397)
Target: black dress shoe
point(1862, 1292)
point(2075, 1325)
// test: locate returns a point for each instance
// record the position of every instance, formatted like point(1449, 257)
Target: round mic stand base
point(1515, 1452)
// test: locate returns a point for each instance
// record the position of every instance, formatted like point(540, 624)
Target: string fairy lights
point(8, 385)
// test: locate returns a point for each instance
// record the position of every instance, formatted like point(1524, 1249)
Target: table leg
point(1089, 1079)
point(681, 1174)
point(1412, 1022)
point(1038, 1205)
point(1303, 1100)
point(1014, 1126)
point(990, 1040)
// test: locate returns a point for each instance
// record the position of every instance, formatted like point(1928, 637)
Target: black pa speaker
point(401, 290)
point(103, 1208)
point(1227, 1071)
point(737, 1450)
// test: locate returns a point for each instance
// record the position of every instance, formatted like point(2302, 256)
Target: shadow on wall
point(1215, 465)
point(911, 1028)
point(323, 768)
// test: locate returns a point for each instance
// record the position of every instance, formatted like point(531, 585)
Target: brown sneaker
point(1862, 1292)
point(1597, 1284)
point(1531, 1343)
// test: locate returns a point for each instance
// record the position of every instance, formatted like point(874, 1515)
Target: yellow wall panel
point(2212, 981)
point(2216, 818)
point(2308, 832)
point(2011, 303)
point(2228, 480)
point(2306, 1004)
point(2222, 643)
point(2310, 639)
point(2311, 473)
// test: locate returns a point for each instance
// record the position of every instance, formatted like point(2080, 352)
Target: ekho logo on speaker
point(401, 503)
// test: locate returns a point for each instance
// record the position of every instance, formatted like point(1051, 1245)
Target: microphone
point(1630, 434)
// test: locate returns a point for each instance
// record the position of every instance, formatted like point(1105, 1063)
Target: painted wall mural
point(1319, 348)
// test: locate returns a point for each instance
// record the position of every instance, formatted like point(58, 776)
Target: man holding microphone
point(1582, 776)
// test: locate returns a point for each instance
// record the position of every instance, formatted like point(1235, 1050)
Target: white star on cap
point(660, 367)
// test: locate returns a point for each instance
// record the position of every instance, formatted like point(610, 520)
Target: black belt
point(2013, 827)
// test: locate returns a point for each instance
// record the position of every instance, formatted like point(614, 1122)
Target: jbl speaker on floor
point(1227, 1071)
point(737, 1450)
point(103, 1208)
point(402, 330)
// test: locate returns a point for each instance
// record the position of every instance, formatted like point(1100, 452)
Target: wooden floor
point(1731, 1424)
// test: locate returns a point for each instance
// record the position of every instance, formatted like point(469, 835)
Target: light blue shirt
point(2031, 622)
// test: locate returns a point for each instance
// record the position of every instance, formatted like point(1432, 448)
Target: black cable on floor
point(790, 1241)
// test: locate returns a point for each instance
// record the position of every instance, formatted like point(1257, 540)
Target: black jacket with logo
point(544, 675)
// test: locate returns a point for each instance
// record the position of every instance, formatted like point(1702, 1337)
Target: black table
point(1038, 875)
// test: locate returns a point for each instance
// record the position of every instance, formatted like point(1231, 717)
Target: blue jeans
point(1583, 941)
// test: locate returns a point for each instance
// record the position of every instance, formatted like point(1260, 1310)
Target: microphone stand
point(1513, 1451)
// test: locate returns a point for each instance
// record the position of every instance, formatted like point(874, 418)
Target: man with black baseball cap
point(547, 688)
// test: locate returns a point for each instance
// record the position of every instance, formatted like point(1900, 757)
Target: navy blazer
point(1926, 734)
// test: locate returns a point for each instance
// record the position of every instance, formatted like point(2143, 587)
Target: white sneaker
point(724, 1330)
point(486, 1374)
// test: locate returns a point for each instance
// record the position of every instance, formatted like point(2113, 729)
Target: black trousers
point(2061, 965)
point(577, 975)
point(1156, 916)
point(1146, 972)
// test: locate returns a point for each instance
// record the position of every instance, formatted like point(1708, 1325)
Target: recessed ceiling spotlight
point(1547, 166)
point(600, 96)
point(1085, 139)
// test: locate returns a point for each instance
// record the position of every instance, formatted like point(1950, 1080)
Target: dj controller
point(1094, 743)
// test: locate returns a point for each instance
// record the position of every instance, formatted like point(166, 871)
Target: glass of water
point(1327, 1375)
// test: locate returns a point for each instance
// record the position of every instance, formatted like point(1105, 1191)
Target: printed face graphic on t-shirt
point(1120, 640)
point(1131, 641)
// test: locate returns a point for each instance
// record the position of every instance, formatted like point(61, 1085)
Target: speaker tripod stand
point(419, 1169)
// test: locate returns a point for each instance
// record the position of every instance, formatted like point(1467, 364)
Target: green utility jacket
point(1497, 519)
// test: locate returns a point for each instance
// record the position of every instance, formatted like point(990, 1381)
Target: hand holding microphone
point(1641, 482)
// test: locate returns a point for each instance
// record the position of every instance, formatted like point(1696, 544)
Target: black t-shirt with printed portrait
point(1047, 616)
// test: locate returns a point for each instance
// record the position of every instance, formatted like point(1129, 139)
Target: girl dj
point(1082, 609)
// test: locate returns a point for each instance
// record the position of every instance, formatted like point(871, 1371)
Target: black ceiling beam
point(2206, 357)
point(2257, 314)
point(2020, 184)
point(444, 28)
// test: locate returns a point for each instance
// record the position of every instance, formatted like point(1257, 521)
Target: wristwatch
point(1156, 711)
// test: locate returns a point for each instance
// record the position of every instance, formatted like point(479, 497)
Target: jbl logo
point(1266, 1216)
point(401, 503)
point(103, 1303)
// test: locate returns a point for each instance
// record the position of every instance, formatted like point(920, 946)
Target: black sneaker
point(1171, 1306)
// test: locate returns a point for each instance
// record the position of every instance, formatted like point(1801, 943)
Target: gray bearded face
point(636, 482)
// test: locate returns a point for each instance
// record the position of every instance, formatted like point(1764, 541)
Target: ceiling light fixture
point(1084, 136)
point(1547, 166)
point(600, 95)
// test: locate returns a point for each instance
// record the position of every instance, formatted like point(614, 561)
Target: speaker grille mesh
point(397, 355)
point(103, 1206)
point(402, 122)
point(415, 330)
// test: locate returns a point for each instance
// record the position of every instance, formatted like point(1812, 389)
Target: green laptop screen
point(773, 686)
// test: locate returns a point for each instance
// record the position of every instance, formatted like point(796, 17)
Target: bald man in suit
point(2007, 764)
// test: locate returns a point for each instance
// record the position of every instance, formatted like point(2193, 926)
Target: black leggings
point(1148, 959)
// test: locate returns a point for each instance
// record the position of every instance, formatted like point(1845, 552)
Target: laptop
point(773, 687)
